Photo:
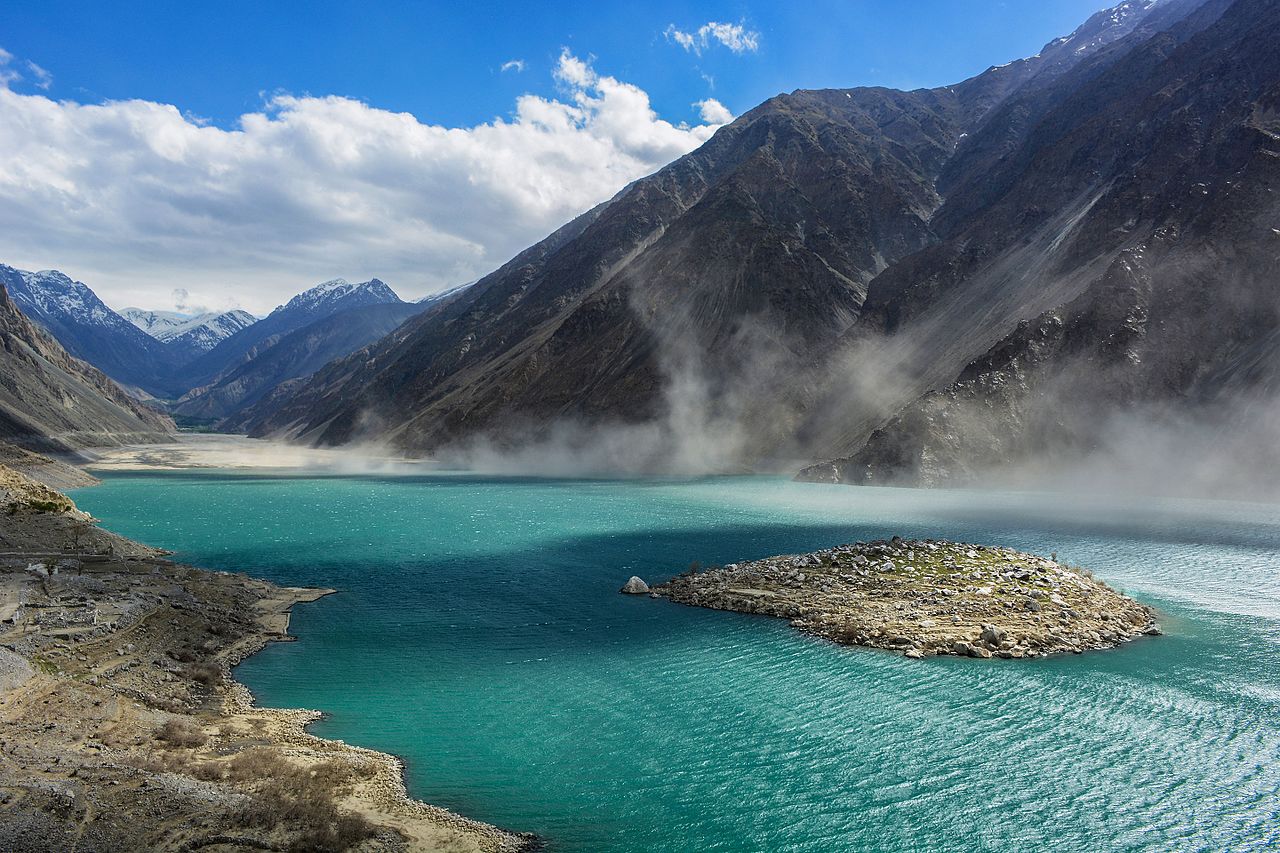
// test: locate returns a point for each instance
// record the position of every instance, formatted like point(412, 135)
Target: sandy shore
point(122, 729)
point(240, 453)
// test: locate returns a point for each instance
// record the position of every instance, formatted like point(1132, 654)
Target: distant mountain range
point(297, 354)
point(210, 364)
point(88, 329)
point(249, 363)
point(189, 334)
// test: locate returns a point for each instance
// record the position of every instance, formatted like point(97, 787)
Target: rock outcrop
point(926, 598)
point(635, 586)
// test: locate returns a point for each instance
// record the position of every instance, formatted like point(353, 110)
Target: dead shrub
point(208, 674)
point(209, 771)
point(257, 764)
point(180, 732)
point(305, 797)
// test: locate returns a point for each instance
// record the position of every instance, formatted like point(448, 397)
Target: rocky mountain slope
point(1162, 326)
point(52, 401)
point(189, 335)
point(80, 321)
point(821, 262)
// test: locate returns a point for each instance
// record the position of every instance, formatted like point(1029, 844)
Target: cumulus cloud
point(736, 37)
point(516, 65)
point(136, 198)
point(713, 112)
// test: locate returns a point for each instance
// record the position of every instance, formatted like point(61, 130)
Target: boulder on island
point(635, 586)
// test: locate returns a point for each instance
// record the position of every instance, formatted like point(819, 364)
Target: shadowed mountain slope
point(89, 330)
point(1162, 282)
point(51, 401)
point(323, 300)
point(293, 356)
point(690, 287)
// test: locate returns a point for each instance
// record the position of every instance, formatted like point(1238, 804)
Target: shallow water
point(479, 635)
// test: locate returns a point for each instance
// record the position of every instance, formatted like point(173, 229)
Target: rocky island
point(926, 598)
point(122, 729)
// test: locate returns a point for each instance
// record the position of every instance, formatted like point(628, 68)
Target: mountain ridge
point(88, 329)
point(53, 402)
point(315, 303)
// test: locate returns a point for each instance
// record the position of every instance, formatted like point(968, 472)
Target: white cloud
point(688, 41)
point(736, 37)
point(516, 65)
point(43, 78)
point(713, 112)
point(137, 199)
point(7, 73)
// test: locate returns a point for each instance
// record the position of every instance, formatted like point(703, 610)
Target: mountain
point(293, 356)
point(322, 301)
point(451, 293)
point(157, 324)
point(189, 335)
point(920, 286)
point(52, 401)
point(1159, 249)
point(88, 329)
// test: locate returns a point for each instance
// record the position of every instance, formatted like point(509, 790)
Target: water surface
point(479, 635)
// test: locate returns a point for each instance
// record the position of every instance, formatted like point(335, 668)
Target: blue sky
point(240, 151)
point(442, 62)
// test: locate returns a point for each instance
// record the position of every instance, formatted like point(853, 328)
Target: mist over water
point(478, 633)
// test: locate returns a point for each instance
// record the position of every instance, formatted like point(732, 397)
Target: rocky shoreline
point(122, 729)
point(926, 597)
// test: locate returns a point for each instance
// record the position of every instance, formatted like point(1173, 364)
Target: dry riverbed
point(121, 728)
point(926, 598)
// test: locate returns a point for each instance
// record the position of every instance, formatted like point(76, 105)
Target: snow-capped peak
point(201, 332)
point(49, 293)
point(337, 292)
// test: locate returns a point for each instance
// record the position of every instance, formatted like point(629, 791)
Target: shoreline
point(395, 795)
point(122, 725)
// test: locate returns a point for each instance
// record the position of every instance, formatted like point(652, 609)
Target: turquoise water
point(479, 635)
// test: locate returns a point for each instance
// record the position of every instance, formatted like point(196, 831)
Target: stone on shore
point(635, 586)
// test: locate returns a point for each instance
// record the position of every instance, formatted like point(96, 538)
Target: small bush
point(183, 655)
point(47, 506)
point(258, 764)
point(180, 732)
point(304, 797)
point(208, 674)
point(209, 771)
point(849, 635)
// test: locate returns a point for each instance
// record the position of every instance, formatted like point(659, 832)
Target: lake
point(478, 634)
